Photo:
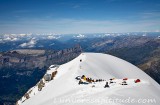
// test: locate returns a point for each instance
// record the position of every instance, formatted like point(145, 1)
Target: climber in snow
point(124, 82)
point(111, 81)
point(106, 85)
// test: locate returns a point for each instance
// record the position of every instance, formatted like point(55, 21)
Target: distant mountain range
point(59, 42)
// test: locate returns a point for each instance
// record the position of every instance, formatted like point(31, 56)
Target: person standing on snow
point(106, 85)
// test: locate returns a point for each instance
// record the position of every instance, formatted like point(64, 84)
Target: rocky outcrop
point(30, 59)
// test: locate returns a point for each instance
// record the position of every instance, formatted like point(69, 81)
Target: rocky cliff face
point(30, 59)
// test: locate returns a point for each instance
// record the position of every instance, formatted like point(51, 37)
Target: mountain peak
point(87, 76)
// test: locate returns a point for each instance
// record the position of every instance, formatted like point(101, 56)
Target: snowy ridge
point(97, 66)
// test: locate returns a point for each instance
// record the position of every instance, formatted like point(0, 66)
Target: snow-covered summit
point(64, 85)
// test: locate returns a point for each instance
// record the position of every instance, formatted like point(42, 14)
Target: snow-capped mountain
point(79, 36)
point(82, 81)
point(57, 41)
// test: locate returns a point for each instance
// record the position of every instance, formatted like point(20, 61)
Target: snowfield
point(64, 89)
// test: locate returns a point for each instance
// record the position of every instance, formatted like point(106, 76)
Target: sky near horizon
point(79, 16)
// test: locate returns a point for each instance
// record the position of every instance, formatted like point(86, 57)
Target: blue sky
point(79, 16)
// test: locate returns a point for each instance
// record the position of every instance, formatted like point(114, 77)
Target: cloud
point(76, 6)
point(50, 37)
point(21, 11)
point(29, 44)
point(39, 25)
point(10, 38)
point(151, 15)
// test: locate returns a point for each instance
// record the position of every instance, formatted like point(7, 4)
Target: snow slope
point(64, 89)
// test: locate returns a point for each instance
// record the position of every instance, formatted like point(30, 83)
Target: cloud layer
point(78, 26)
